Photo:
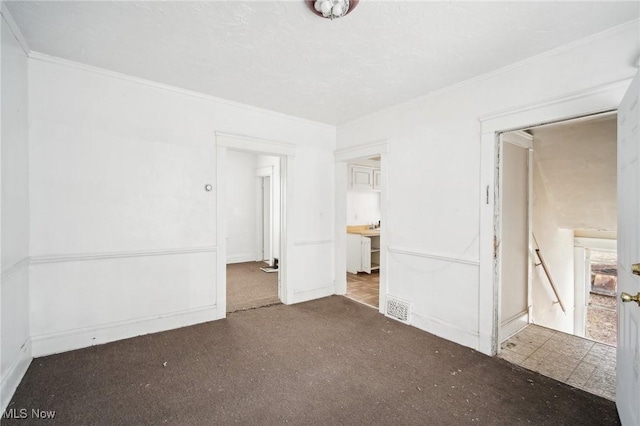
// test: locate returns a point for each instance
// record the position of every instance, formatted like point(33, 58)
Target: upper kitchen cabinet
point(365, 178)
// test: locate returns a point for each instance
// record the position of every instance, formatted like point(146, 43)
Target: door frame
point(590, 101)
point(286, 152)
point(342, 158)
point(525, 141)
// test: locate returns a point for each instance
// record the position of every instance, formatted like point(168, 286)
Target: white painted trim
point(421, 253)
point(56, 258)
point(316, 293)
point(312, 242)
point(254, 145)
point(14, 374)
point(221, 230)
point(15, 30)
point(445, 329)
point(596, 243)
point(224, 142)
point(581, 282)
point(514, 325)
point(588, 101)
point(241, 258)
point(52, 343)
point(15, 268)
point(369, 149)
point(101, 71)
point(261, 173)
point(519, 138)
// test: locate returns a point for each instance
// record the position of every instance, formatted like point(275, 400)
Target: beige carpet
point(249, 287)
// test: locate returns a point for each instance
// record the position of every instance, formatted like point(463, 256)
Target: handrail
point(546, 271)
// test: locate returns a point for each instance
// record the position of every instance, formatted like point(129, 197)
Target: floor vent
point(398, 309)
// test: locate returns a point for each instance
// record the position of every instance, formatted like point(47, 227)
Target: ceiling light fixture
point(332, 8)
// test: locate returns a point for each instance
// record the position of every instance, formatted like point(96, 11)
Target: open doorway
point(253, 230)
point(363, 230)
point(557, 290)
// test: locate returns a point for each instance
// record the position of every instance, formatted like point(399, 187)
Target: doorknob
point(626, 297)
point(635, 268)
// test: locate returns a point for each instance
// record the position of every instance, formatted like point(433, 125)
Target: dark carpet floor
point(331, 361)
point(249, 287)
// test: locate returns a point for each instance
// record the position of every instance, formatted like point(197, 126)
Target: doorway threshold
point(576, 361)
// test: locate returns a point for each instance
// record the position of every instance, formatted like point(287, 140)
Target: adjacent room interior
point(253, 224)
point(559, 215)
point(363, 231)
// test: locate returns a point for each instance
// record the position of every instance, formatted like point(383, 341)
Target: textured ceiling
point(577, 161)
point(280, 56)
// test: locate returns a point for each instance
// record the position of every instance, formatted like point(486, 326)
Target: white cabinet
point(376, 179)
point(364, 178)
point(363, 253)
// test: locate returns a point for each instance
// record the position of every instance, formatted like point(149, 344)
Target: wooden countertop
point(362, 230)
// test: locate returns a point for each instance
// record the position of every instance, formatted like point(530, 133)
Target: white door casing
point(628, 350)
point(573, 105)
point(286, 152)
point(514, 183)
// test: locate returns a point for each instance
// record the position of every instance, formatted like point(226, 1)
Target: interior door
point(628, 352)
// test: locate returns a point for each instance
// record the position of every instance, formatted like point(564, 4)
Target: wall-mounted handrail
point(546, 272)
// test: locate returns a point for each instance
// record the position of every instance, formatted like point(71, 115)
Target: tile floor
point(579, 362)
point(364, 288)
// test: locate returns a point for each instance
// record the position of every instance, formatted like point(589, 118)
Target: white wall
point(123, 233)
point(434, 197)
point(556, 246)
point(241, 212)
point(363, 207)
point(15, 348)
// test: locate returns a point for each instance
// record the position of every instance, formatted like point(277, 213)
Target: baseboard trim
point(69, 340)
point(241, 258)
point(316, 293)
point(14, 375)
point(445, 329)
point(513, 325)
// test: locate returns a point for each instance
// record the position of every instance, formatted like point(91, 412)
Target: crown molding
point(635, 23)
point(117, 75)
point(13, 27)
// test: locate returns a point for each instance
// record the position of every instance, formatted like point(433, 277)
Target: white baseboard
point(316, 293)
point(14, 375)
point(53, 343)
point(241, 258)
point(445, 330)
point(513, 326)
